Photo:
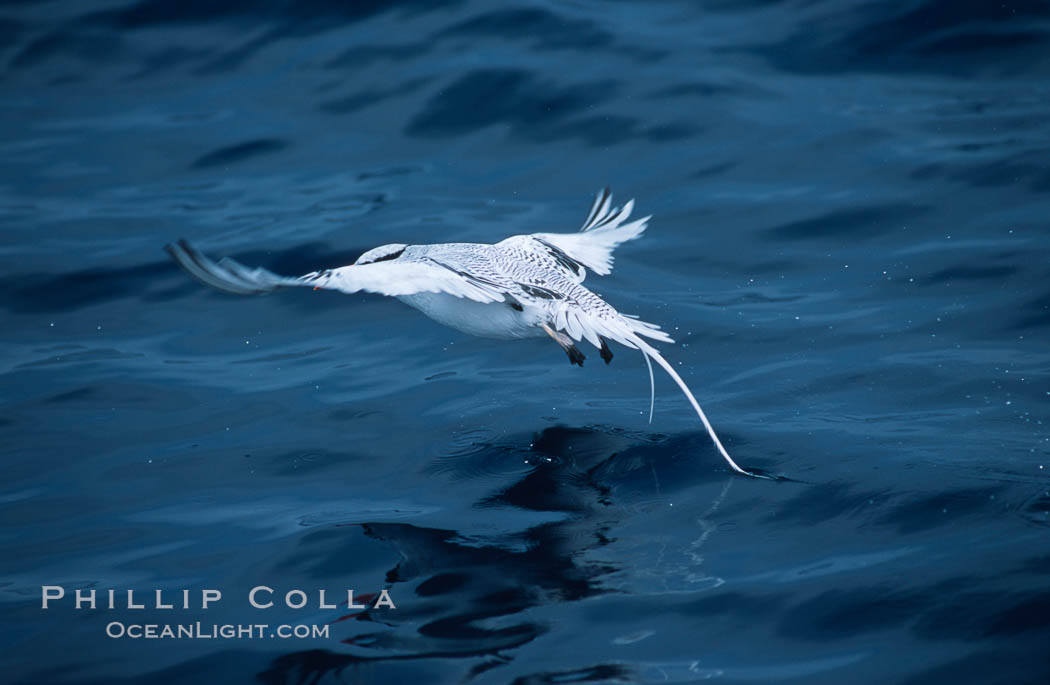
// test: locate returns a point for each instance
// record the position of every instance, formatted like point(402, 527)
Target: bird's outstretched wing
point(386, 278)
point(590, 248)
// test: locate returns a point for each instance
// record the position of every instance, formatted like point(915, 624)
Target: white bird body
point(485, 320)
point(523, 287)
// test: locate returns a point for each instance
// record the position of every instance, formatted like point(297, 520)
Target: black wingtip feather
point(208, 272)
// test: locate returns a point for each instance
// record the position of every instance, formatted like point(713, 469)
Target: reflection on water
point(474, 593)
point(848, 243)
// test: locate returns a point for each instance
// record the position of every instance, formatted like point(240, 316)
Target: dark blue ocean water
point(850, 244)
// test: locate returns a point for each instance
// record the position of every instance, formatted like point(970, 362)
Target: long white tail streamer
point(650, 352)
point(652, 385)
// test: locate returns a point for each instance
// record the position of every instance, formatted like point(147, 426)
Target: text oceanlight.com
point(213, 631)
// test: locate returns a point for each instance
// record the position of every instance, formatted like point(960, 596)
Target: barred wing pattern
point(591, 248)
point(392, 278)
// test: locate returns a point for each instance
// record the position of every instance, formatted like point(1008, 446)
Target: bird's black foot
point(575, 356)
point(606, 353)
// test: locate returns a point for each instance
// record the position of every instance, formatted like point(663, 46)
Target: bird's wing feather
point(386, 278)
point(583, 323)
point(592, 247)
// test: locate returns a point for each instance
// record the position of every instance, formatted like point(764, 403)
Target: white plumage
point(524, 286)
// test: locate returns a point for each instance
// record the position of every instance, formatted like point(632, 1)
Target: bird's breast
point(487, 320)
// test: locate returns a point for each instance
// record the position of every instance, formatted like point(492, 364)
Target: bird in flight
point(522, 287)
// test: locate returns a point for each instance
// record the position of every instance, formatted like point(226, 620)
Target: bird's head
point(381, 254)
